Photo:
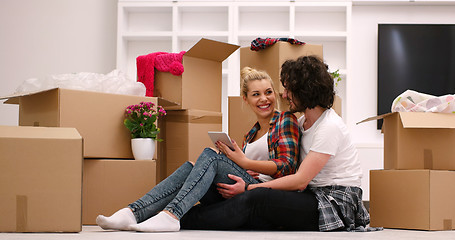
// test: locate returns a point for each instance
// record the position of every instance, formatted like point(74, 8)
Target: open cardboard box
point(418, 140)
point(200, 85)
point(412, 199)
point(40, 179)
point(112, 184)
point(97, 116)
point(271, 58)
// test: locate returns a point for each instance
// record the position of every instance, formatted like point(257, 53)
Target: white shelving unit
point(172, 26)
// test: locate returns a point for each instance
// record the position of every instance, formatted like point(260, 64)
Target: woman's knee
point(207, 153)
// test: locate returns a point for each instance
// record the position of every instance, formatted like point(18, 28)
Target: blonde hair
point(249, 74)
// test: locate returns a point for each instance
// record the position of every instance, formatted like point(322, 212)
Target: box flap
point(420, 119)
point(211, 50)
point(375, 118)
point(166, 104)
point(39, 132)
point(14, 98)
point(427, 120)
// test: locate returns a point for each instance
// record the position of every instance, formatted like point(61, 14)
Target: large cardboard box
point(241, 118)
point(40, 179)
point(97, 116)
point(112, 184)
point(202, 72)
point(418, 140)
point(186, 136)
point(412, 199)
point(271, 58)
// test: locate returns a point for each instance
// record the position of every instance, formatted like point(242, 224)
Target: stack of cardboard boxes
point(95, 165)
point(197, 93)
point(76, 162)
point(415, 190)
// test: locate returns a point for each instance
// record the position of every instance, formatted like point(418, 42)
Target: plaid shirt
point(341, 208)
point(283, 142)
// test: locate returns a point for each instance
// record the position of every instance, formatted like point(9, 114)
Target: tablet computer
point(222, 137)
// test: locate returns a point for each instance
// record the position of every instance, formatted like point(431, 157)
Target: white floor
point(96, 233)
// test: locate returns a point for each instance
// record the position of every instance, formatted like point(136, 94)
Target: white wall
point(43, 37)
point(363, 85)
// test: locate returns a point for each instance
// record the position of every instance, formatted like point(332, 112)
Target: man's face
point(288, 95)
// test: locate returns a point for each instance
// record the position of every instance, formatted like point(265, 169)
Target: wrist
point(246, 186)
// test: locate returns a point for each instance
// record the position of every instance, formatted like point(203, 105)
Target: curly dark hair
point(309, 82)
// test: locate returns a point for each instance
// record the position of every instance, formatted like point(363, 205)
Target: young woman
point(273, 141)
point(324, 194)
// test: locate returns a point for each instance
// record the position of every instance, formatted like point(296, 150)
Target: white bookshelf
point(172, 26)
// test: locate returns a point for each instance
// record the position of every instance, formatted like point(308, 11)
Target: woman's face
point(261, 98)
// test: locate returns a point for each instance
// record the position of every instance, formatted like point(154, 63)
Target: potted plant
point(141, 119)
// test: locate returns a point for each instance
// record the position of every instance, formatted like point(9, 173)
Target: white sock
point(162, 222)
point(120, 220)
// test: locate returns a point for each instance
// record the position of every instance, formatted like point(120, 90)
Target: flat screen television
point(419, 57)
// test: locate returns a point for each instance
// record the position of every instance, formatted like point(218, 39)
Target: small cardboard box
point(418, 140)
point(97, 116)
point(271, 58)
point(202, 72)
point(241, 118)
point(412, 199)
point(40, 179)
point(112, 184)
point(186, 136)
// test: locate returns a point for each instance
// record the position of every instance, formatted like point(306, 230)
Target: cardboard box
point(271, 58)
point(412, 199)
point(418, 140)
point(186, 136)
point(112, 184)
point(97, 116)
point(203, 72)
point(241, 118)
point(40, 179)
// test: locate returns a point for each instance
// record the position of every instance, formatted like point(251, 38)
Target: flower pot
point(143, 148)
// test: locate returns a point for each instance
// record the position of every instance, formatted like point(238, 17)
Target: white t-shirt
point(330, 135)
point(259, 150)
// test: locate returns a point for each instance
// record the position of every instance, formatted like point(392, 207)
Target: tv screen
point(420, 57)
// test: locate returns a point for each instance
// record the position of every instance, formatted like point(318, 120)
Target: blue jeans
point(179, 192)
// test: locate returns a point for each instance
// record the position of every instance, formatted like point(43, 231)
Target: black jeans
point(258, 209)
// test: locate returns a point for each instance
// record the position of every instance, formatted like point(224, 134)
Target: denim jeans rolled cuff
point(159, 196)
point(210, 168)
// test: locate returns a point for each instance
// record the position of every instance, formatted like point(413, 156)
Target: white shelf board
point(142, 36)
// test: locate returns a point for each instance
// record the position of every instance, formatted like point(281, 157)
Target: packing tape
point(428, 159)
point(21, 213)
point(447, 224)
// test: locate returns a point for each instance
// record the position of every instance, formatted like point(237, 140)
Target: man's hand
point(254, 174)
point(230, 190)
